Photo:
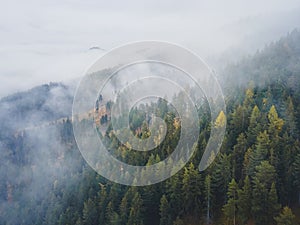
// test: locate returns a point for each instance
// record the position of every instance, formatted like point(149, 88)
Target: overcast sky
point(49, 40)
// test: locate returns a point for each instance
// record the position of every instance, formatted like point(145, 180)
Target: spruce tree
point(273, 205)
point(286, 217)
point(164, 211)
point(230, 209)
point(244, 201)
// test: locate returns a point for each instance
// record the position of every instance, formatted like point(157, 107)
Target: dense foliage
point(255, 178)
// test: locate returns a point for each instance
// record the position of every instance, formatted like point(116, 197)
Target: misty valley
point(254, 179)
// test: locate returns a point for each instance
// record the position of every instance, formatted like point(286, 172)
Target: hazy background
point(42, 41)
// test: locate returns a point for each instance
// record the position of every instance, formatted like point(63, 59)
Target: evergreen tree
point(102, 203)
point(125, 204)
point(259, 153)
point(273, 205)
point(265, 173)
point(244, 202)
point(220, 178)
point(90, 213)
point(290, 119)
point(286, 217)
point(135, 215)
point(275, 123)
point(265, 199)
point(174, 193)
point(237, 125)
point(164, 211)
point(259, 203)
point(274, 128)
point(208, 197)
point(238, 156)
point(255, 125)
point(220, 120)
point(191, 190)
point(296, 175)
point(178, 221)
point(230, 209)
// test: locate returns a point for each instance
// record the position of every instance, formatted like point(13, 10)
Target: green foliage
point(90, 213)
point(265, 200)
point(192, 190)
point(296, 174)
point(244, 202)
point(257, 170)
point(286, 217)
point(208, 194)
point(135, 215)
point(230, 209)
point(259, 203)
point(259, 153)
point(165, 211)
point(220, 178)
point(255, 125)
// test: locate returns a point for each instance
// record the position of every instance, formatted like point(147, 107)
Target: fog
point(50, 40)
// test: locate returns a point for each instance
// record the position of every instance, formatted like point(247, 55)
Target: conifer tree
point(255, 126)
point(135, 215)
point(244, 201)
point(286, 217)
point(191, 190)
point(164, 211)
point(230, 209)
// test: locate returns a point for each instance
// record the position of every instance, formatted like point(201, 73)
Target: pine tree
point(208, 197)
point(174, 193)
point(246, 163)
point(109, 213)
point(265, 199)
point(102, 203)
point(259, 153)
point(89, 213)
point(259, 202)
point(125, 204)
point(230, 209)
point(275, 123)
point(135, 215)
point(238, 156)
point(178, 221)
point(265, 173)
point(296, 174)
point(248, 105)
point(191, 190)
point(220, 120)
point(220, 178)
point(164, 211)
point(274, 128)
point(244, 202)
point(290, 119)
point(286, 217)
point(255, 126)
point(273, 205)
point(237, 125)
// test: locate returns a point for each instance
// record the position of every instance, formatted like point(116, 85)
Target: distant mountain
point(34, 107)
point(278, 62)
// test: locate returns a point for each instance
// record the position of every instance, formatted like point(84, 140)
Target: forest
point(255, 178)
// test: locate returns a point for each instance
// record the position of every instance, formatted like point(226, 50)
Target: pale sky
point(43, 41)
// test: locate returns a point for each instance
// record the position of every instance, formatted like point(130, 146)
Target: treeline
point(254, 179)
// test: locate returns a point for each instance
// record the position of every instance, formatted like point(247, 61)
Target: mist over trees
point(254, 179)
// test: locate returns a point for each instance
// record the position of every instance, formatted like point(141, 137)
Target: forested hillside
point(255, 179)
